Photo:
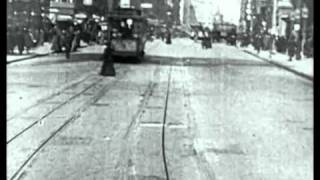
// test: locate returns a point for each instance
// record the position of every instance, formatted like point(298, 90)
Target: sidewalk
point(186, 48)
point(35, 52)
point(303, 67)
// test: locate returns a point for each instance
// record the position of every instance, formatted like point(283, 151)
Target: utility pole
point(301, 25)
point(40, 13)
point(274, 26)
point(274, 16)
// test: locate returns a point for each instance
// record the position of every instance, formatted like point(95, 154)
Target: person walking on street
point(10, 41)
point(74, 44)
point(293, 43)
point(56, 40)
point(41, 37)
point(20, 40)
point(68, 36)
point(258, 42)
point(270, 43)
point(28, 39)
point(168, 36)
point(308, 47)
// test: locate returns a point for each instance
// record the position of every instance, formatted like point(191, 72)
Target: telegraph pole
point(274, 16)
point(274, 26)
point(301, 26)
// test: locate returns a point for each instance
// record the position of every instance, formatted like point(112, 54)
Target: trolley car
point(127, 33)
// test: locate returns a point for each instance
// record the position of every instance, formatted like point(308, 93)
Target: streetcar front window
point(126, 28)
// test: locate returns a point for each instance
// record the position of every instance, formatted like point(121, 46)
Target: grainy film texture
point(160, 89)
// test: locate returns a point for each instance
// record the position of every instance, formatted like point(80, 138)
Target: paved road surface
point(230, 116)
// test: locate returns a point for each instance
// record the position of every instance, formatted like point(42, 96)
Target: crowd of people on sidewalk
point(261, 40)
point(62, 37)
point(290, 45)
point(23, 38)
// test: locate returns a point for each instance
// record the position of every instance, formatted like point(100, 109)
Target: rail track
point(75, 115)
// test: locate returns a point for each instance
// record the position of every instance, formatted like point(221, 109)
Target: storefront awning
point(64, 17)
point(285, 4)
point(81, 16)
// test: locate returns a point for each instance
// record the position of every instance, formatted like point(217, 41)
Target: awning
point(285, 4)
point(153, 21)
point(81, 16)
point(64, 17)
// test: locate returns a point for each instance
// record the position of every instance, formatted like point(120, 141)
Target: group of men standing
point(23, 38)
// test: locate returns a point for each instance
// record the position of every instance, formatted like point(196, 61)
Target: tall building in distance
point(163, 10)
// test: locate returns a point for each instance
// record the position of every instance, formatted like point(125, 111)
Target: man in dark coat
point(56, 38)
point(67, 40)
point(168, 36)
point(20, 40)
point(258, 41)
point(28, 40)
point(293, 45)
point(10, 40)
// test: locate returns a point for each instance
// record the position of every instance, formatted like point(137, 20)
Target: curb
point(27, 58)
point(306, 76)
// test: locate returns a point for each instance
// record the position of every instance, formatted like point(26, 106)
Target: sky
point(229, 8)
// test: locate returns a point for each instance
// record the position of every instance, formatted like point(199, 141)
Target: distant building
point(28, 13)
point(187, 13)
point(284, 15)
point(204, 11)
point(98, 7)
point(62, 10)
point(175, 11)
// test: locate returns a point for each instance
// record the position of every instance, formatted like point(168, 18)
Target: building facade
point(26, 13)
point(61, 10)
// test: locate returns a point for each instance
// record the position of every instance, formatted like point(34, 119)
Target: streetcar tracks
point(53, 110)
point(75, 115)
point(58, 106)
point(42, 100)
point(125, 150)
point(163, 127)
point(123, 165)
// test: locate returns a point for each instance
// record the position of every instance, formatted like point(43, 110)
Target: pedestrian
point(168, 36)
point(258, 42)
point(270, 43)
point(162, 33)
point(10, 41)
point(20, 40)
point(56, 36)
point(293, 44)
point(206, 41)
point(28, 39)
point(67, 38)
point(74, 44)
point(203, 40)
point(78, 31)
point(308, 47)
point(196, 36)
point(41, 37)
